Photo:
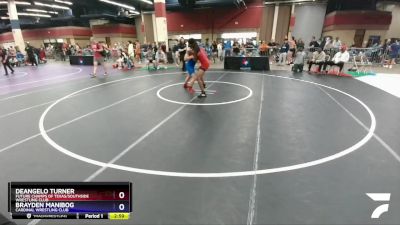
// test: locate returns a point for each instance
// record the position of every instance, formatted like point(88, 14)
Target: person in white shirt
point(131, 52)
point(339, 59)
point(219, 47)
point(160, 58)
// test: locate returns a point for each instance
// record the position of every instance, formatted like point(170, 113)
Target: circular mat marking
point(340, 154)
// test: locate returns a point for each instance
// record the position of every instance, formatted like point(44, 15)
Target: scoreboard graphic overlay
point(70, 200)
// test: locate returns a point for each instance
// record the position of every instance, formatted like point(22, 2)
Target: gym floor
point(263, 147)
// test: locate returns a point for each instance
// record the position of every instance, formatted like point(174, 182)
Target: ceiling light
point(34, 14)
point(42, 11)
point(51, 5)
point(147, 1)
point(16, 2)
point(5, 18)
point(118, 4)
point(64, 2)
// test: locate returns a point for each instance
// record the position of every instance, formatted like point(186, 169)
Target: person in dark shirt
point(283, 52)
point(182, 52)
point(236, 48)
point(31, 55)
point(313, 44)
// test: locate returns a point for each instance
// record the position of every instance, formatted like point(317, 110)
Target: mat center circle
point(210, 91)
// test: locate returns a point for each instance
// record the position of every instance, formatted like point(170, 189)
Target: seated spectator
point(283, 52)
point(263, 48)
point(298, 63)
point(160, 58)
point(150, 58)
point(339, 59)
point(317, 59)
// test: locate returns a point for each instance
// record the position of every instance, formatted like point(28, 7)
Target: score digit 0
point(121, 207)
point(121, 195)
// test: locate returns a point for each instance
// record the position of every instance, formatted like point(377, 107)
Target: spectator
point(228, 47)
point(292, 50)
point(131, 52)
point(182, 51)
point(161, 58)
point(20, 58)
point(283, 52)
point(5, 56)
point(220, 51)
point(339, 59)
point(236, 48)
point(175, 52)
point(393, 53)
point(150, 59)
point(337, 43)
point(138, 52)
point(30, 51)
point(272, 45)
point(313, 44)
point(299, 60)
point(42, 56)
point(328, 44)
point(300, 44)
point(263, 49)
point(317, 59)
point(214, 49)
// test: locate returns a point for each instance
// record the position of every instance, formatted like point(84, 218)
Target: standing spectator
point(31, 55)
point(130, 50)
point(175, 53)
point(20, 58)
point(394, 50)
point(98, 57)
point(292, 50)
point(182, 52)
point(214, 49)
point(42, 56)
point(138, 52)
point(339, 59)
point(300, 44)
point(64, 51)
point(228, 47)
point(5, 55)
point(283, 52)
point(236, 48)
point(220, 51)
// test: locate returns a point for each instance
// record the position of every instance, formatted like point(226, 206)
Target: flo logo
point(380, 197)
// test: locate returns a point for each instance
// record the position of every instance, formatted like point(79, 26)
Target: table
point(246, 63)
point(80, 60)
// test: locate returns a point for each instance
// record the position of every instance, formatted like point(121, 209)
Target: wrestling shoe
point(202, 95)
